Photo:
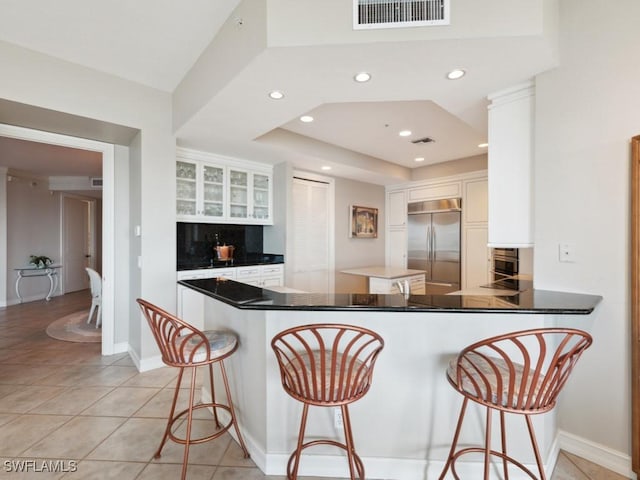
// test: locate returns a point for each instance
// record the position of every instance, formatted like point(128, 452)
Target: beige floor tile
point(243, 473)
point(124, 360)
point(21, 376)
point(71, 375)
point(160, 404)
point(234, 457)
point(159, 471)
point(111, 375)
point(72, 401)
point(96, 470)
point(591, 470)
point(76, 438)
point(566, 470)
point(26, 397)
point(159, 377)
point(136, 440)
point(208, 453)
point(7, 417)
point(24, 431)
point(121, 402)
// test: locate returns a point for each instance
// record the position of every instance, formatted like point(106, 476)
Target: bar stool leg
point(534, 443)
point(171, 413)
point(503, 437)
point(487, 445)
point(295, 456)
point(213, 396)
point(232, 410)
point(454, 444)
point(348, 435)
point(187, 442)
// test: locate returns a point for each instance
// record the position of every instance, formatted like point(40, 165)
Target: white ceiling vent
point(399, 13)
point(96, 182)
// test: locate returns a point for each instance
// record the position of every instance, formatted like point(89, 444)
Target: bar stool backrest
point(327, 364)
point(519, 371)
point(180, 343)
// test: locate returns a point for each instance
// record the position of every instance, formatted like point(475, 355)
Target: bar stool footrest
point(358, 462)
point(493, 453)
point(196, 441)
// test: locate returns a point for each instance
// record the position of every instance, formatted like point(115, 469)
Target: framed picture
point(364, 222)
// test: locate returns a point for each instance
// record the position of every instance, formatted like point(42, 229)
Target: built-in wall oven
point(505, 263)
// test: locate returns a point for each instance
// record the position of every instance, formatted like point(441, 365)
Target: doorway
point(78, 228)
point(107, 151)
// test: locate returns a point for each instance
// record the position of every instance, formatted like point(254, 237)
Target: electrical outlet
point(337, 418)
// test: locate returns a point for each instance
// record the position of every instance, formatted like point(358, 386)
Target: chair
point(520, 373)
point(185, 347)
point(326, 365)
point(95, 280)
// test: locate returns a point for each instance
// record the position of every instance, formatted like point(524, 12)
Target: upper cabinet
point(511, 116)
point(212, 189)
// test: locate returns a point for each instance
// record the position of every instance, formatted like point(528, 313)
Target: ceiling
point(355, 127)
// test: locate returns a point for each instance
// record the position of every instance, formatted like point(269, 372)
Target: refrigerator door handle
point(433, 244)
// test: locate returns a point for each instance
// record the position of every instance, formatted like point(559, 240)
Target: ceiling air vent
point(423, 140)
point(96, 182)
point(399, 13)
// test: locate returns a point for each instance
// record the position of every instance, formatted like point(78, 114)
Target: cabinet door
point(396, 247)
point(475, 205)
point(191, 306)
point(212, 191)
point(261, 197)
point(397, 209)
point(186, 188)
point(477, 257)
point(238, 194)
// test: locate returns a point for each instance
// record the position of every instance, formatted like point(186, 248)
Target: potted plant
point(40, 261)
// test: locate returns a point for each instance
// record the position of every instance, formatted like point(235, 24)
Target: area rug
point(74, 328)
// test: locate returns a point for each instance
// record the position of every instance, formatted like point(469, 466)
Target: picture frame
point(363, 222)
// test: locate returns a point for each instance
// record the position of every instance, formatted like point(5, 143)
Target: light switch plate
point(566, 252)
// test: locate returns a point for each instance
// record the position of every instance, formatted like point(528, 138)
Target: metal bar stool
point(327, 365)
point(520, 373)
point(183, 346)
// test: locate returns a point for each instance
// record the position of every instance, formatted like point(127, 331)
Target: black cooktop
point(510, 284)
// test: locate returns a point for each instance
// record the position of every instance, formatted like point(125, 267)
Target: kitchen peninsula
point(410, 399)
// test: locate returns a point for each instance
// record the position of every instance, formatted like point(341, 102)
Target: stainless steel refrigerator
point(434, 243)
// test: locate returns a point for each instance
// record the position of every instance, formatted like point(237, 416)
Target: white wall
point(33, 228)
point(586, 113)
point(357, 252)
point(35, 79)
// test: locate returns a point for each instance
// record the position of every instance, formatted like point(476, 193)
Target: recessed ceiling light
point(325, 167)
point(276, 95)
point(483, 145)
point(404, 133)
point(419, 159)
point(362, 77)
point(306, 118)
point(456, 74)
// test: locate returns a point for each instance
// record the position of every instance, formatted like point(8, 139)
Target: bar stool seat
point(327, 365)
point(519, 373)
point(185, 347)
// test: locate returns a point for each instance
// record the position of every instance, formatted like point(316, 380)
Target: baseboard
point(594, 452)
point(146, 364)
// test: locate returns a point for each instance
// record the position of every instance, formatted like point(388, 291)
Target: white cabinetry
point(396, 232)
point(191, 303)
point(215, 189)
point(261, 275)
point(511, 116)
point(476, 255)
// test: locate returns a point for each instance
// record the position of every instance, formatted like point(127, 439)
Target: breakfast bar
point(403, 427)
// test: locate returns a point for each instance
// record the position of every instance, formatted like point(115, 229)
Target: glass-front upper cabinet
point(199, 190)
point(218, 190)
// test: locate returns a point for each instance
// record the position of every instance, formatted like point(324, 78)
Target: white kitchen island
point(403, 427)
point(388, 280)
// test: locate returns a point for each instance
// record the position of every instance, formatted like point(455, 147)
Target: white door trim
point(108, 214)
point(91, 202)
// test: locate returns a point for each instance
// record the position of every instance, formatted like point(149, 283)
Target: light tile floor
point(63, 402)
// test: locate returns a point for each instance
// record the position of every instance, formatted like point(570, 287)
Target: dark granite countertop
point(531, 301)
point(244, 261)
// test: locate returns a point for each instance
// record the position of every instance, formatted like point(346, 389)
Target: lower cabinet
point(476, 258)
point(261, 275)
